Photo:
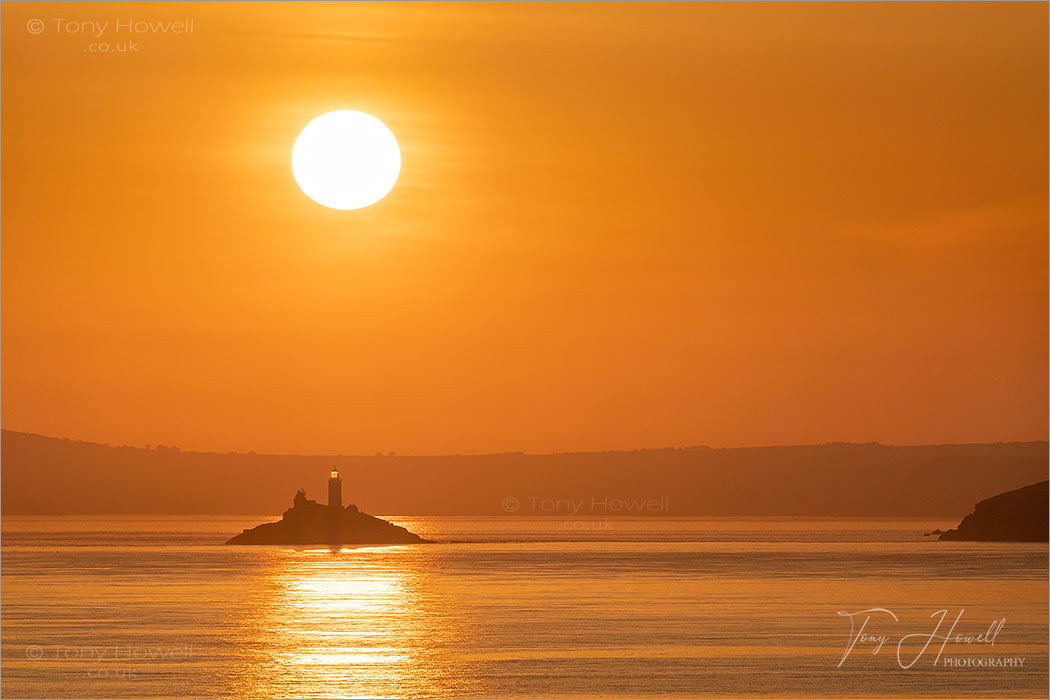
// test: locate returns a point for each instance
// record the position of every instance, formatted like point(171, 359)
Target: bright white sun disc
point(346, 160)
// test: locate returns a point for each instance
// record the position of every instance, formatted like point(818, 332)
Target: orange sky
point(617, 226)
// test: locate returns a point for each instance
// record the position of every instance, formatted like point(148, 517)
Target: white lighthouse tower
point(335, 490)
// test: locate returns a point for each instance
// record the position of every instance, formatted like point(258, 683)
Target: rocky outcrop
point(1015, 516)
point(309, 522)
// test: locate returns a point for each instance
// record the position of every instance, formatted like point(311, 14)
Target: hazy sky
point(617, 226)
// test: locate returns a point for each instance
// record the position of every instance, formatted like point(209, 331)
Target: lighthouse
point(335, 490)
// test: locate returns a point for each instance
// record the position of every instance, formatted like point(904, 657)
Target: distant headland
point(309, 522)
point(1021, 515)
point(829, 480)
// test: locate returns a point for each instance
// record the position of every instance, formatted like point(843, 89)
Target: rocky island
point(1021, 515)
point(310, 522)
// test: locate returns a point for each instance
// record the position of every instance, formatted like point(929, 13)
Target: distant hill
point(42, 475)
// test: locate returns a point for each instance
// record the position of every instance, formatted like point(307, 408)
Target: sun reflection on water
point(343, 623)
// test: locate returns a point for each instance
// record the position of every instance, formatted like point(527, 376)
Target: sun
point(346, 160)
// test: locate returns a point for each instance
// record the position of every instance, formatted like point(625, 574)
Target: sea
point(520, 607)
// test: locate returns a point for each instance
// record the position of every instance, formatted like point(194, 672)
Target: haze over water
point(511, 606)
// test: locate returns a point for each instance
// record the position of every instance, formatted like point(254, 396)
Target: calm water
point(526, 607)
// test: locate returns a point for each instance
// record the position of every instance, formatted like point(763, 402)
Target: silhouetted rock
point(309, 522)
point(1022, 515)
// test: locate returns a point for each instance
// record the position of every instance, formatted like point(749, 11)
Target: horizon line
point(394, 454)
